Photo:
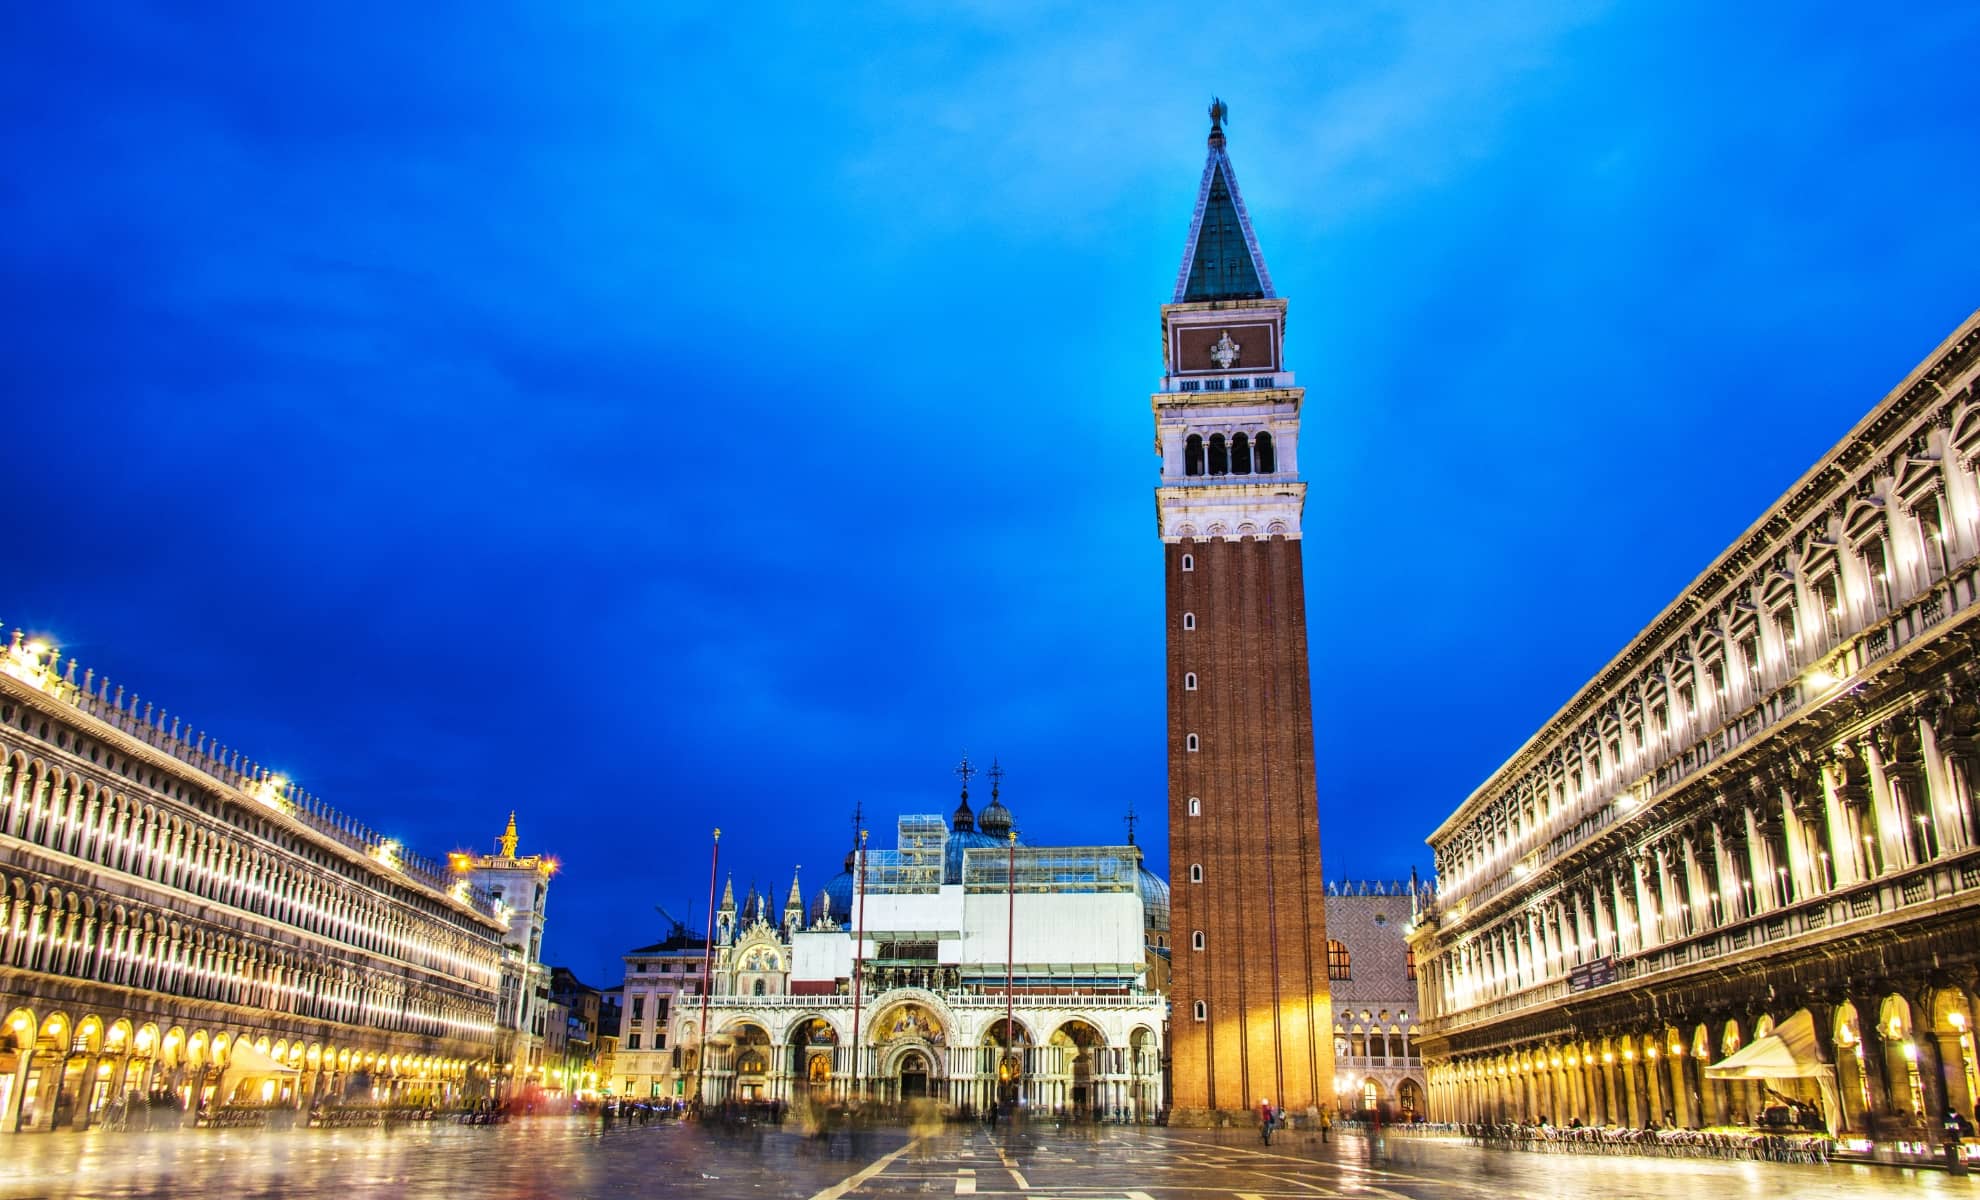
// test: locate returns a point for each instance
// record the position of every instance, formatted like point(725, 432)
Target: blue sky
point(653, 417)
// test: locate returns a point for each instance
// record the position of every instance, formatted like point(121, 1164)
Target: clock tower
point(1251, 1018)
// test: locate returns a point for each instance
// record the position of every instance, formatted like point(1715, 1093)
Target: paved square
point(569, 1158)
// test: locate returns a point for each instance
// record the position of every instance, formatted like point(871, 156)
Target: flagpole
point(859, 958)
point(1010, 955)
point(707, 955)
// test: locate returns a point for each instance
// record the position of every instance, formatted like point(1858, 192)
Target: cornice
point(1925, 387)
point(1173, 405)
point(135, 748)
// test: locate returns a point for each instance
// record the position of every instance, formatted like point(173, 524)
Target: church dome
point(838, 891)
point(995, 820)
point(1154, 900)
point(959, 841)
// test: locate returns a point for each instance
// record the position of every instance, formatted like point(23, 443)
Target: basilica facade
point(960, 966)
point(1756, 824)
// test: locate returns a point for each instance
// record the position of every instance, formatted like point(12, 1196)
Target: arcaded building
point(1251, 1015)
point(178, 922)
point(1762, 811)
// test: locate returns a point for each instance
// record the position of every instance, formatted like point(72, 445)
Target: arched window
point(758, 989)
point(1196, 872)
point(1409, 960)
point(1262, 452)
point(1189, 681)
point(1189, 620)
point(1193, 455)
point(1196, 939)
point(1338, 966)
point(1189, 562)
point(1195, 807)
point(1220, 458)
point(1200, 1011)
point(1240, 455)
point(1190, 743)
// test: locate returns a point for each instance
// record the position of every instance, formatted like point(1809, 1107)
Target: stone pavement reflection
point(569, 1158)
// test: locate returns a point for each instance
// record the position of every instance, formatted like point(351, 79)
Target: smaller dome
point(1154, 900)
point(838, 893)
point(964, 821)
point(995, 820)
point(959, 842)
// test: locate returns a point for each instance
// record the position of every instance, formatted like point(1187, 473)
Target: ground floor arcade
point(1100, 1059)
point(74, 1065)
point(1887, 1047)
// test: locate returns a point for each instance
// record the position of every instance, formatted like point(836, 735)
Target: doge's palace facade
point(178, 923)
point(1764, 806)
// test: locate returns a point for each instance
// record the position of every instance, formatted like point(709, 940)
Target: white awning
point(1790, 1052)
point(244, 1059)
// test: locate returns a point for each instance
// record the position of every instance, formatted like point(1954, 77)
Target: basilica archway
point(914, 1073)
point(813, 1045)
point(1002, 1057)
point(748, 1060)
point(1079, 1045)
point(911, 1036)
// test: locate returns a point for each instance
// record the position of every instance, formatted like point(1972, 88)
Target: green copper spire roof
point(1221, 259)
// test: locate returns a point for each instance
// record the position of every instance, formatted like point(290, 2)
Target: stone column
point(1904, 770)
point(1956, 736)
point(80, 1117)
point(10, 1120)
point(1794, 838)
point(1694, 1092)
point(1731, 907)
point(1876, 1061)
point(1848, 802)
point(1887, 813)
point(1931, 1079)
point(1952, 1061)
point(1581, 927)
point(47, 1092)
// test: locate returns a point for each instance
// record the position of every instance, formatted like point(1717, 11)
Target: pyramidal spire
point(1220, 259)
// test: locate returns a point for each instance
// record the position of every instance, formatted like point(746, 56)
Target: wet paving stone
point(551, 1157)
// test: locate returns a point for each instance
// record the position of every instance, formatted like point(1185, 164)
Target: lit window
point(1338, 965)
point(1196, 872)
point(1201, 1011)
point(1189, 620)
point(1189, 562)
point(1190, 744)
point(1196, 939)
point(1189, 681)
point(1195, 807)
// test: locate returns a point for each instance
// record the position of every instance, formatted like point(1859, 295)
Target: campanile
point(1250, 1013)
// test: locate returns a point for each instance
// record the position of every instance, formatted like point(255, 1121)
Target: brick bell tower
point(1251, 1018)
